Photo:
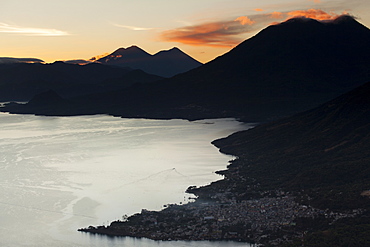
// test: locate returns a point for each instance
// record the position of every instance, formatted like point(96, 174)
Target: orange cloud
point(259, 10)
point(244, 20)
point(317, 14)
point(214, 34)
point(276, 15)
point(315, 1)
point(197, 36)
point(98, 57)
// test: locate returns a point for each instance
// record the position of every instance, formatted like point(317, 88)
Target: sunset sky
point(80, 29)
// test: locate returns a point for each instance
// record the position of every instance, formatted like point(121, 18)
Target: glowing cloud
point(213, 34)
point(259, 10)
point(98, 57)
point(317, 14)
point(88, 61)
point(244, 20)
point(6, 28)
point(229, 33)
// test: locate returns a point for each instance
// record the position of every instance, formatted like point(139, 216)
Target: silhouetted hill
point(292, 66)
point(20, 82)
point(164, 63)
point(284, 69)
point(321, 150)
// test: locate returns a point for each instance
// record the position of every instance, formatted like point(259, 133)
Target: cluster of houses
point(254, 221)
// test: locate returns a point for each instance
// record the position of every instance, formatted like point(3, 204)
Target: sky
point(51, 30)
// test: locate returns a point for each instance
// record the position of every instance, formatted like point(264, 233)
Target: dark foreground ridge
point(300, 180)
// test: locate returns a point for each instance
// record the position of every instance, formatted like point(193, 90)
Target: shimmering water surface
point(59, 174)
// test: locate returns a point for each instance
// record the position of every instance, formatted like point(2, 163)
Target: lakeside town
point(267, 220)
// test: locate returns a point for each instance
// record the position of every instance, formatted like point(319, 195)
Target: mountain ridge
point(284, 69)
point(164, 63)
point(272, 74)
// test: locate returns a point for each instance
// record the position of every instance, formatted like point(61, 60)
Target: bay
point(58, 174)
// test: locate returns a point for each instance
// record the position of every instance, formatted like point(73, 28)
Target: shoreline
point(222, 213)
point(266, 220)
point(234, 208)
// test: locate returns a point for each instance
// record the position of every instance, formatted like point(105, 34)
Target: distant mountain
point(164, 63)
point(20, 82)
point(284, 69)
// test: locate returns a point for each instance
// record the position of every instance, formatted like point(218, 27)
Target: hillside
point(320, 155)
point(312, 150)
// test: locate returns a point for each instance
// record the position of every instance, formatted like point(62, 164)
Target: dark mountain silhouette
point(284, 69)
point(164, 63)
point(20, 82)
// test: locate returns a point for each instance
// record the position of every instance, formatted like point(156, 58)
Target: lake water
point(58, 174)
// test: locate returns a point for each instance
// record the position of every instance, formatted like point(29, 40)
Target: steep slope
point(320, 156)
point(164, 63)
point(322, 151)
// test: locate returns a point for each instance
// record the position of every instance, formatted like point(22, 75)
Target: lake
point(59, 174)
